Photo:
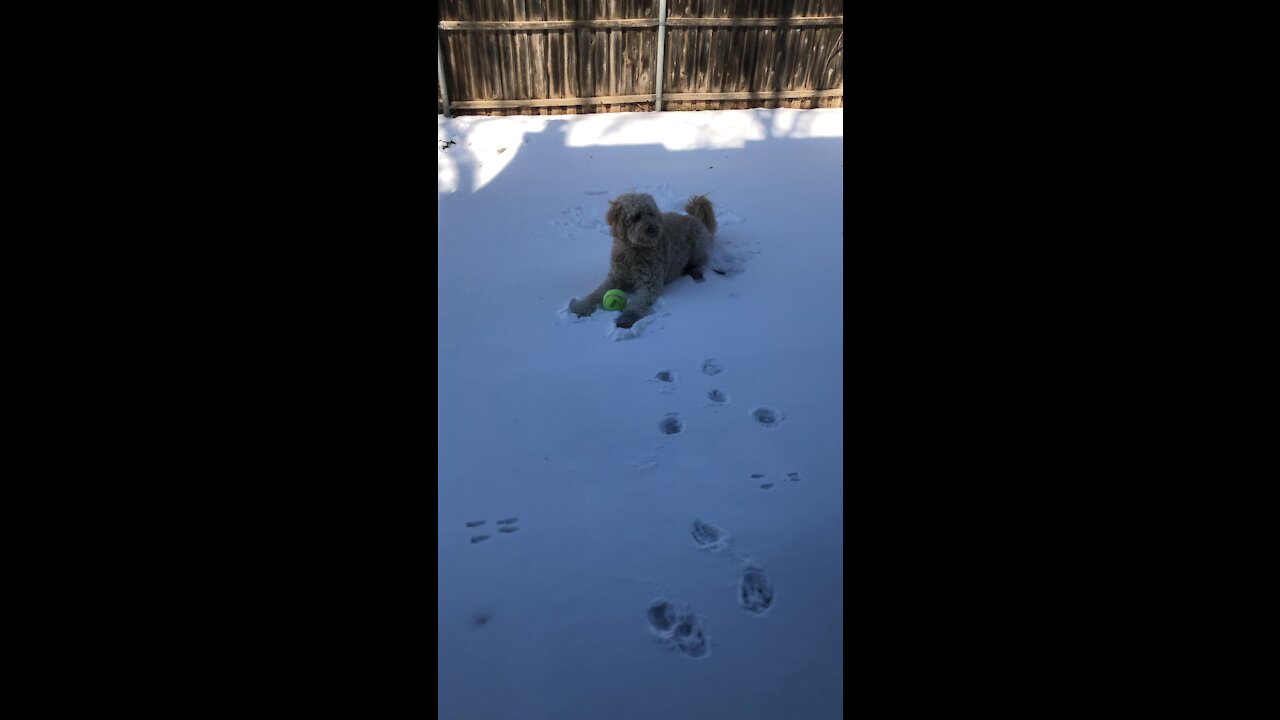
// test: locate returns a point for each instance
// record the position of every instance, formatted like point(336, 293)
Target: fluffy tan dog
point(650, 249)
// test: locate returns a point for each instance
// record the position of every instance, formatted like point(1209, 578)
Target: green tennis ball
point(614, 300)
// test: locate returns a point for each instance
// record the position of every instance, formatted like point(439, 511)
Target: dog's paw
point(581, 309)
point(627, 319)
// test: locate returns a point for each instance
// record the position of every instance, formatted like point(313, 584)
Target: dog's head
point(634, 218)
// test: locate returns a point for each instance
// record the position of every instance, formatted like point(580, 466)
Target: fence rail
point(637, 23)
point(568, 56)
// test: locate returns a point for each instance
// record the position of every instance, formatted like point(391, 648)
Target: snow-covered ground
point(594, 562)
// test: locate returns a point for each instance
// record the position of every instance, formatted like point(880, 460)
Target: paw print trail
point(709, 537)
point(678, 628)
point(507, 526)
point(755, 592)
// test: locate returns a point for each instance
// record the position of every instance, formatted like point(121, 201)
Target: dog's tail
point(700, 207)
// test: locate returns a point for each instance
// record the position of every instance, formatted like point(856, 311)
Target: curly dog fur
point(651, 249)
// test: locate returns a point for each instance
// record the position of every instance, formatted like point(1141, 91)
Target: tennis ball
point(614, 300)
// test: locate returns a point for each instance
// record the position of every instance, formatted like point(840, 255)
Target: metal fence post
point(444, 89)
point(662, 42)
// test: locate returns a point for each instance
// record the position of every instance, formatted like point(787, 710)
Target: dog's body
point(650, 249)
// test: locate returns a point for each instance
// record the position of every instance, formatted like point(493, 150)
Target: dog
point(651, 249)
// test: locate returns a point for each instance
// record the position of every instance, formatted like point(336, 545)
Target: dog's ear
point(614, 218)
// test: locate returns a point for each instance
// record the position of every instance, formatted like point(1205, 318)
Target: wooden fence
point(508, 57)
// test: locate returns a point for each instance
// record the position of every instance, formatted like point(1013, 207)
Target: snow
point(641, 572)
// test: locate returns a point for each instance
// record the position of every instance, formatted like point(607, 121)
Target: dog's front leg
point(638, 306)
point(587, 305)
